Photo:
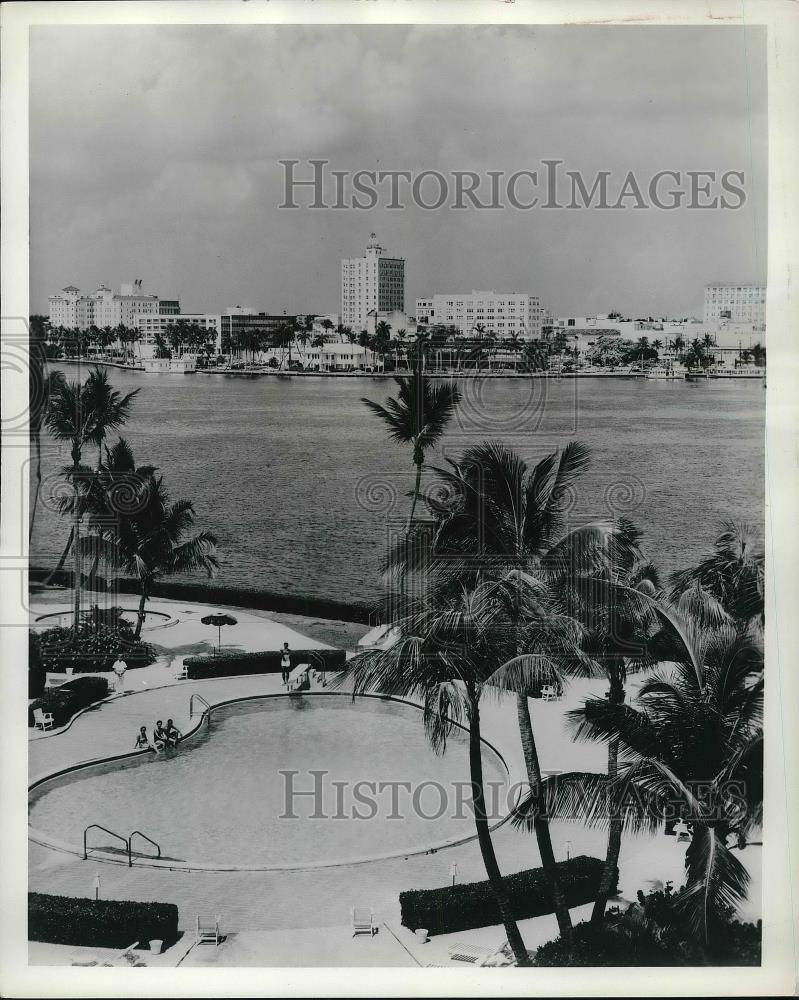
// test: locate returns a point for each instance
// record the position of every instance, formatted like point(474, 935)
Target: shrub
point(92, 648)
point(653, 932)
point(266, 662)
point(100, 923)
point(69, 698)
point(462, 907)
point(36, 671)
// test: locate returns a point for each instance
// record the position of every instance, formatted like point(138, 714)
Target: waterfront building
point(503, 314)
point(736, 303)
point(151, 325)
point(103, 307)
point(373, 283)
point(241, 325)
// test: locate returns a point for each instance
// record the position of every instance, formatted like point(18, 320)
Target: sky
point(154, 154)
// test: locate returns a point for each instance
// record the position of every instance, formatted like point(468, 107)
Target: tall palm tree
point(696, 740)
point(446, 653)
point(733, 575)
point(417, 416)
point(41, 386)
point(618, 625)
point(83, 415)
point(496, 515)
point(150, 542)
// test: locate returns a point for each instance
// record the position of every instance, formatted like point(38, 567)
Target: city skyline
point(139, 153)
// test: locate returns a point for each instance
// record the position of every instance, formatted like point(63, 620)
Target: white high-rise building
point(103, 307)
point(736, 304)
point(371, 285)
point(503, 314)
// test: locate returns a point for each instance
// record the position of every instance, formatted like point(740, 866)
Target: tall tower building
point(372, 284)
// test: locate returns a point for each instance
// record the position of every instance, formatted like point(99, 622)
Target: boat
point(170, 366)
point(665, 372)
point(748, 371)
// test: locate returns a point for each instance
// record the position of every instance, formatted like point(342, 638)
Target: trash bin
point(156, 946)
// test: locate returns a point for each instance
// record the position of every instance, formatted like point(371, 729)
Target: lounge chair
point(123, 959)
point(43, 719)
point(208, 929)
point(548, 693)
point(475, 954)
point(363, 921)
point(181, 673)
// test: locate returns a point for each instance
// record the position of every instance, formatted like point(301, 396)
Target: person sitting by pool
point(159, 735)
point(173, 734)
point(143, 741)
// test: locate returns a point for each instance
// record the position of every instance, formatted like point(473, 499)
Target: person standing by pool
point(285, 663)
point(119, 669)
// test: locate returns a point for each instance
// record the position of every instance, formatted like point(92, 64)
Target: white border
point(779, 972)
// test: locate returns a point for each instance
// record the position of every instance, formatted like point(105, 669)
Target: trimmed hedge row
point(266, 662)
point(100, 923)
point(463, 907)
point(69, 698)
point(214, 593)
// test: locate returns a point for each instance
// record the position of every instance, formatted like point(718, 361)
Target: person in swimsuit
point(173, 734)
point(143, 741)
point(159, 735)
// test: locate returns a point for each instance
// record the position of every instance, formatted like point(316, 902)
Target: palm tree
point(446, 653)
point(733, 575)
point(417, 416)
point(83, 414)
point(618, 624)
point(150, 542)
point(698, 726)
point(497, 516)
point(41, 386)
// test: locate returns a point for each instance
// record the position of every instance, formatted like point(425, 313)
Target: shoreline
point(727, 376)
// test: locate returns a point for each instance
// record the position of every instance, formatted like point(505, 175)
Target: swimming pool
point(280, 782)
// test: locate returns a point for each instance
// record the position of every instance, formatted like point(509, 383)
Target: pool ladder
point(205, 711)
point(127, 841)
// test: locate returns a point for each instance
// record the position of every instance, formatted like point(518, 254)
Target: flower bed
point(92, 648)
point(463, 907)
point(100, 923)
point(266, 662)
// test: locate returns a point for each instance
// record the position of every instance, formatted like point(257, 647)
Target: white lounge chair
point(363, 921)
point(548, 693)
point(474, 954)
point(43, 719)
point(208, 929)
point(122, 959)
point(181, 673)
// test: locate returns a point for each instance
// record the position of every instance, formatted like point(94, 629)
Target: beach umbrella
point(219, 620)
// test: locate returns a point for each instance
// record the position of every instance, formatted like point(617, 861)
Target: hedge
point(215, 593)
point(463, 907)
point(100, 923)
point(69, 698)
point(266, 662)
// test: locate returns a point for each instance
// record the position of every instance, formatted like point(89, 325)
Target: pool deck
point(296, 917)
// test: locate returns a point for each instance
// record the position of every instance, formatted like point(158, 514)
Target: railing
point(138, 833)
point(96, 826)
point(206, 710)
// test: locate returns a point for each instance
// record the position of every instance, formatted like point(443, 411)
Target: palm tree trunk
point(76, 581)
point(38, 486)
point(541, 822)
point(140, 619)
point(415, 493)
point(65, 553)
point(609, 874)
point(484, 839)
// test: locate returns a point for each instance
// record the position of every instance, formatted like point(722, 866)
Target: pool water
point(283, 782)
